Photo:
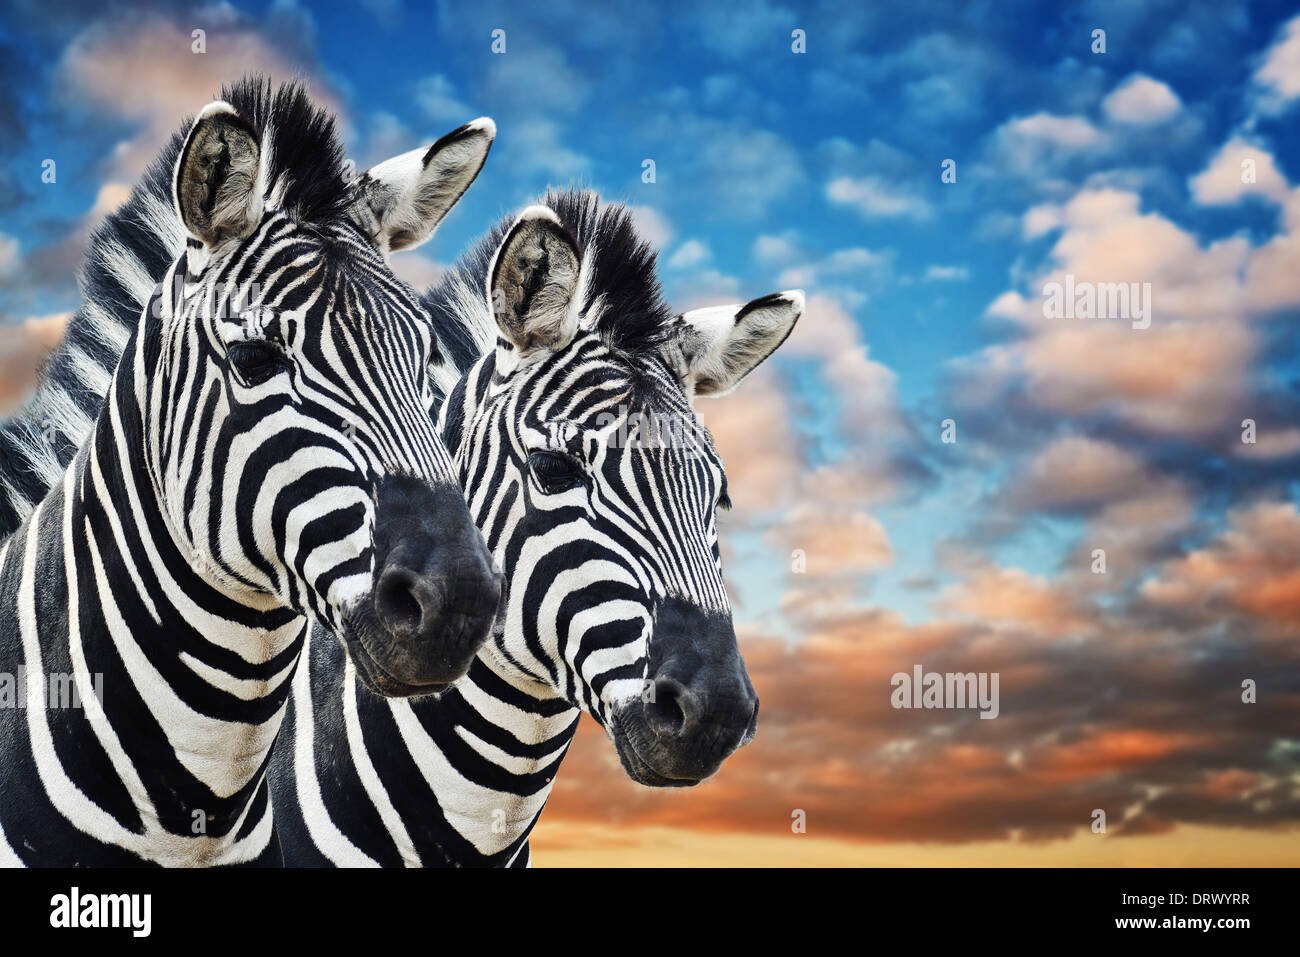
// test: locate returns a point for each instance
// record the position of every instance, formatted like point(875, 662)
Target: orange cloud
point(1189, 372)
point(145, 69)
point(1253, 567)
point(1010, 595)
point(23, 349)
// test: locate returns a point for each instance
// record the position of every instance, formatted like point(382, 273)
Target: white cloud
point(776, 250)
point(845, 261)
point(690, 254)
point(145, 73)
point(652, 226)
point(706, 288)
point(738, 29)
point(856, 262)
point(1222, 181)
point(1187, 373)
point(866, 389)
point(10, 254)
point(1044, 150)
point(419, 271)
point(1009, 305)
point(1140, 101)
point(386, 136)
point(946, 273)
point(535, 79)
point(108, 199)
point(1279, 74)
point(1040, 220)
point(1066, 132)
point(754, 167)
point(1272, 280)
point(875, 198)
point(537, 145)
point(742, 168)
point(437, 97)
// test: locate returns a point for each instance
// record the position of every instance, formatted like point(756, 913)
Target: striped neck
point(512, 739)
point(170, 764)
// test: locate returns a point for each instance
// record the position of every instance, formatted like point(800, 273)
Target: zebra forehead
point(350, 282)
point(631, 405)
point(588, 377)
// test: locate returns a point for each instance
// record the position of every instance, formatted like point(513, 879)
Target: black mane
point(634, 316)
point(307, 158)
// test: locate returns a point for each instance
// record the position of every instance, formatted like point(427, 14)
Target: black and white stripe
point(262, 438)
point(614, 600)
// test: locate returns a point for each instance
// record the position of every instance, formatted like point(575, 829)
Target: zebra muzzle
point(698, 706)
point(435, 595)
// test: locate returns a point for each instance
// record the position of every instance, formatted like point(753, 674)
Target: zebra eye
point(556, 471)
point(255, 361)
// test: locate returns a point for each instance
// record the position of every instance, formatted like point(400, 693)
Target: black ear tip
point(793, 299)
point(484, 127)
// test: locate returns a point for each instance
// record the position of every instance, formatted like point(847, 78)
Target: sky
point(928, 470)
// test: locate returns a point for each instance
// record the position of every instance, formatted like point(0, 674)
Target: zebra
point(261, 457)
point(614, 603)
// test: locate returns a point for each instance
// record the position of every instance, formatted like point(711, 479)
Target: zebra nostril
point(401, 600)
point(665, 709)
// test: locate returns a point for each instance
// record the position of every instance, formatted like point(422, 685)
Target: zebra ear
point(400, 202)
point(533, 282)
point(712, 349)
point(217, 188)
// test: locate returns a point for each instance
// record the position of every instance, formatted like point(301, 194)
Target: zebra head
point(598, 488)
point(283, 385)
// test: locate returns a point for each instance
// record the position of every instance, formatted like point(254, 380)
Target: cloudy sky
point(863, 543)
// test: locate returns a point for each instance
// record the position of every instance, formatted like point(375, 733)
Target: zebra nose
point(436, 588)
point(440, 617)
point(673, 709)
point(699, 705)
point(408, 605)
point(680, 712)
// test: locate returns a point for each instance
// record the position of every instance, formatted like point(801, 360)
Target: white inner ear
point(696, 353)
point(392, 197)
point(408, 196)
point(713, 349)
